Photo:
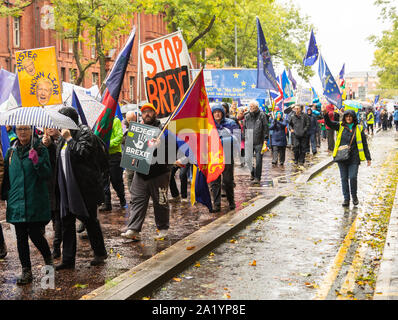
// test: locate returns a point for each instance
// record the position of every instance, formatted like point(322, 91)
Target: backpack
point(101, 154)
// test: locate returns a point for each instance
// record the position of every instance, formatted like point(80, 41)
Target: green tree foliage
point(14, 9)
point(386, 54)
point(101, 21)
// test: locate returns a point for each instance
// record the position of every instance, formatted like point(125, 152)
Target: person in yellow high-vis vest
point(359, 152)
point(370, 120)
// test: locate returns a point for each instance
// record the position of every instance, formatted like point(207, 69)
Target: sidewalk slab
point(150, 274)
point(314, 170)
point(387, 280)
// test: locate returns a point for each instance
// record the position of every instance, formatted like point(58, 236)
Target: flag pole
point(176, 109)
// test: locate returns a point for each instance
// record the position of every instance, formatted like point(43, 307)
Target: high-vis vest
point(358, 139)
point(370, 118)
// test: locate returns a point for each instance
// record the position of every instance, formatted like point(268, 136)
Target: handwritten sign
point(38, 77)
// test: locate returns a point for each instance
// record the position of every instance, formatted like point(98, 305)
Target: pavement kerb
point(387, 279)
point(314, 170)
point(152, 273)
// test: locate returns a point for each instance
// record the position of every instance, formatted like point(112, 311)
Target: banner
point(38, 77)
point(165, 66)
point(232, 83)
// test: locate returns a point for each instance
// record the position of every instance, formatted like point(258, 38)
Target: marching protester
point(350, 136)
point(312, 131)
point(27, 168)
point(240, 116)
point(115, 173)
point(153, 185)
point(384, 119)
point(227, 130)
point(278, 138)
point(298, 126)
point(3, 246)
point(256, 132)
point(370, 120)
point(330, 131)
point(51, 139)
point(396, 117)
point(79, 190)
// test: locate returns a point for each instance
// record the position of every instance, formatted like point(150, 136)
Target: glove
point(33, 156)
point(265, 148)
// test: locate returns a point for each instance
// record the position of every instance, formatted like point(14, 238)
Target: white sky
point(341, 28)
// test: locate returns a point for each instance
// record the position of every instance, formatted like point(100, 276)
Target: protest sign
point(138, 152)
point(304, 96)
point(165, 66)
point(38, 77)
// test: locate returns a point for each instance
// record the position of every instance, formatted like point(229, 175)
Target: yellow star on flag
point(253, 86)
point(236, 75)
point(243, 83)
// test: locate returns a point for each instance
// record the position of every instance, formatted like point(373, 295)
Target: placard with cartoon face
point(38, 77)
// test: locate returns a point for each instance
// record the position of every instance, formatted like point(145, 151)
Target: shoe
point(232, 206)
point(346, 203)
point(56, 253)
point(355, 201)
point(281, 164)
point(251, 178)
point(105, 207)
point(80, 228)
point(295, 161)
point(26, 277)
point(65, 265)
point(161, 234)
point(184, 200)
point(131, 234)
point(98, 260)
point(314, 153)
point(3, 250)
point(123, 204)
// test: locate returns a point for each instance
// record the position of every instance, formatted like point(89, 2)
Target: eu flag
point(330, 88)
point(286, 86)
point(294, 83)
point(312, 52)
point(266, 78)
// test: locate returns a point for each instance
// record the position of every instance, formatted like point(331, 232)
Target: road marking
point(332, 274)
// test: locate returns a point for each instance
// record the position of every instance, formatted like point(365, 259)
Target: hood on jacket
point(218, 107)
point(276, 114)
point(354, 116)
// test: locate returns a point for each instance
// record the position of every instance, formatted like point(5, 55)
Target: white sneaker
point(131, 234)
point(161, 234)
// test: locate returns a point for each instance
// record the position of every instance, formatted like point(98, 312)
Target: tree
point(14, 9)
point(386, 54)
point(101, 21)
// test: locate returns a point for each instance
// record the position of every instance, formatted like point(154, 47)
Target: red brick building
point(34, 29)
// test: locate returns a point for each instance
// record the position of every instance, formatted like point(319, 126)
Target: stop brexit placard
point(165, 66)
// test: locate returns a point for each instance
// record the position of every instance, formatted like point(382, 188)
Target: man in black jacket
point(153, 185)
point(256, 133)
point(299, 124)
point(79, 190)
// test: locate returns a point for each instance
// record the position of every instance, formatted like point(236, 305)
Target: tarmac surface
point(124, 254)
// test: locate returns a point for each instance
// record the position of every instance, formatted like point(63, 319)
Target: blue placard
point(232, 83)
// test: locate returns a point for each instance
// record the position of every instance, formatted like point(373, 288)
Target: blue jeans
point(349, 172)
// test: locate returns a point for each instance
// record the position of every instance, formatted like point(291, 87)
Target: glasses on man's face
point(22, 129)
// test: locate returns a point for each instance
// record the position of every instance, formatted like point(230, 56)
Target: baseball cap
point(148, 106)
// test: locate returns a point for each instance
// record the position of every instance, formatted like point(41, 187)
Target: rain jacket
point(396, 115)
point(300, 124)
point(25, 184)
point(115, 144)
point(278, 137)
point(258, 122)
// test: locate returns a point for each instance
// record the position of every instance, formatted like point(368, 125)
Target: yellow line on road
point(331, 276)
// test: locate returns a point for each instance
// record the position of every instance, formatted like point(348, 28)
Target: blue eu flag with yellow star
point(330, 89)
point(266, 78)
point(312, 52)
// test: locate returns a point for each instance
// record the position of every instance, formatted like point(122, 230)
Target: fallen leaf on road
point(227, 296)
point(177, 279)
point(146, 298)
point(197, 265)
point(232, 241)
point(80, 286)
point(190, 248)
point(254, 263)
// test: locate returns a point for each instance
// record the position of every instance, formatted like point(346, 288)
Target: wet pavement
point(124, 254)
point(306, 247)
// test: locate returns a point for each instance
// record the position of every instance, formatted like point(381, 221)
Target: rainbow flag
point(193, 123)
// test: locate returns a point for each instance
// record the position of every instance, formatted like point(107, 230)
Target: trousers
point(349, 179)
point(34, 231)
point(299, 148)
point(141, 190)
point(280, 152)
point(94, 233)
point(228, 182)
point(115, 177)
point(257, 169)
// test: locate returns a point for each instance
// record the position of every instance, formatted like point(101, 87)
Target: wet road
point(124, 254)
point(306, 247)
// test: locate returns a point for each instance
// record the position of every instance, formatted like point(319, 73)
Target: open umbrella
point(37, 116)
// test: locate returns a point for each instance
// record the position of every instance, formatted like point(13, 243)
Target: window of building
point(61, 45)
point(131, 88)
point(72, 75)
point(63, 74)
point(70, 46)
point(17, 32)
point(95, 78)
point(92, 51)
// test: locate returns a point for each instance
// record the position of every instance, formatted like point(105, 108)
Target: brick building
point(34, 29)
point(361, 83)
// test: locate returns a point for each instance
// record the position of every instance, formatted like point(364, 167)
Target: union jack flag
point(277, 96)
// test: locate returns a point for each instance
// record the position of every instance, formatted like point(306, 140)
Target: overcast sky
point(341, 31)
